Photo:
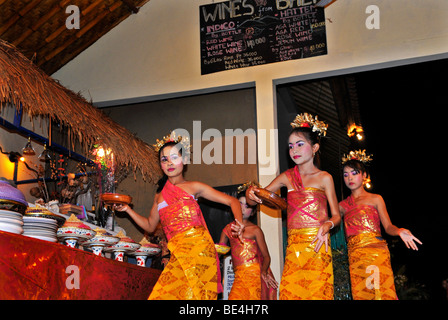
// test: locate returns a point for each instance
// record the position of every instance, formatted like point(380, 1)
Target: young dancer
point(369, 259)
point(253, 278)
point(192, 271)
point(308, 269)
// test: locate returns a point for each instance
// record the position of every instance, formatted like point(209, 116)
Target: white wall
point(156, 54)
point(157, 51)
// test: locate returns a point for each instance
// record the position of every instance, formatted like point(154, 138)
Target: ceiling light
point(355, 130)
point(28, 149)
point(45, 155)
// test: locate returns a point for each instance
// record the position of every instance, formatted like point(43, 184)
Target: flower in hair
point(305, 120)
point(359, 155)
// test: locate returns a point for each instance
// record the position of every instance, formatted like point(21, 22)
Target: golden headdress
point(184, 141)
point(247, 185)
point(308, 121)
point(359, 155)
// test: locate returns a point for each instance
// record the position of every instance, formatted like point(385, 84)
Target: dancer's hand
point(321, 238)
point(120, 207)
point(251, 195)
point(269, 280)
point(237, 230)
point(408, 239)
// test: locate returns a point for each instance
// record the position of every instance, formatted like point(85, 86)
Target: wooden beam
point(78, 35)
point(130, 6)
point(19, 15)
point(35, 27)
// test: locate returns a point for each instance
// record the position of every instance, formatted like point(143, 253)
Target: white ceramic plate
point(50, 239)
point(38, 227)
point(4, 226)
point(11, 221)
point(39, 232)
point(39, 220)
point(7, 213)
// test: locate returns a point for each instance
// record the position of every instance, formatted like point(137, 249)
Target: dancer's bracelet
point(332, 224)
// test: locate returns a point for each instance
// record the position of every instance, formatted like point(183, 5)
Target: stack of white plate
point(40, 228)
point(11, 221)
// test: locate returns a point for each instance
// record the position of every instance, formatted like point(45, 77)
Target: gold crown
point(359, 155)
point(184, 141)
point(305, 120)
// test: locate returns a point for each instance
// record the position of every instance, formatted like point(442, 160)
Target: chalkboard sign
point(243, 33)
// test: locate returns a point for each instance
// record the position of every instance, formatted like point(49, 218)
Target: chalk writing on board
point(244, 33)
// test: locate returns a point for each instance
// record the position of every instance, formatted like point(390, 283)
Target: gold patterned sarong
point(191, 272)
point(371, 272)
point(307, 275)
point(247, 284)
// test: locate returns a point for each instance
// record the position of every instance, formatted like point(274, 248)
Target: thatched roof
point(24, 84)
point(38, 28)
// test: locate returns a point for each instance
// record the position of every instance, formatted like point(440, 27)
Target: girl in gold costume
point(253, 278)
point(308, 269)
point(369, 258)
point(192, 272)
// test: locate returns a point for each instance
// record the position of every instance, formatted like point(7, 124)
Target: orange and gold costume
point(192, 272)
point(371, 272)
point(307, 275)
point(247, 261)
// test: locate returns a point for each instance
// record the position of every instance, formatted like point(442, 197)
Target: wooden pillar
point(268, 169)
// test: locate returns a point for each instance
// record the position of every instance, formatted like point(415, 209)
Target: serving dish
point(222, 249)
point(115, 198)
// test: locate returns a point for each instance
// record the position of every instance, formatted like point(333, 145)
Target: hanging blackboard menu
point(243, 33)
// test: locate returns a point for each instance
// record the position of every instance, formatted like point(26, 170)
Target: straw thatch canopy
point(24, 84)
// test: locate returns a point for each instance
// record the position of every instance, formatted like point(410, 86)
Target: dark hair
point(162, 181)
point(356, 165)
point(312, 137)
point(243, 194)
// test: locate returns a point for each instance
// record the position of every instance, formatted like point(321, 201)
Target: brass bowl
point(222, 249)
point(271, 199)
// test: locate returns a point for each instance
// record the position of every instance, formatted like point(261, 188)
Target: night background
point(403, 116)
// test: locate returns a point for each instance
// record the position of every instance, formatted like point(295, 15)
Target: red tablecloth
point(37, 269)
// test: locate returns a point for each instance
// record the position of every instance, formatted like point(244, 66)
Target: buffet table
point(36, 269)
